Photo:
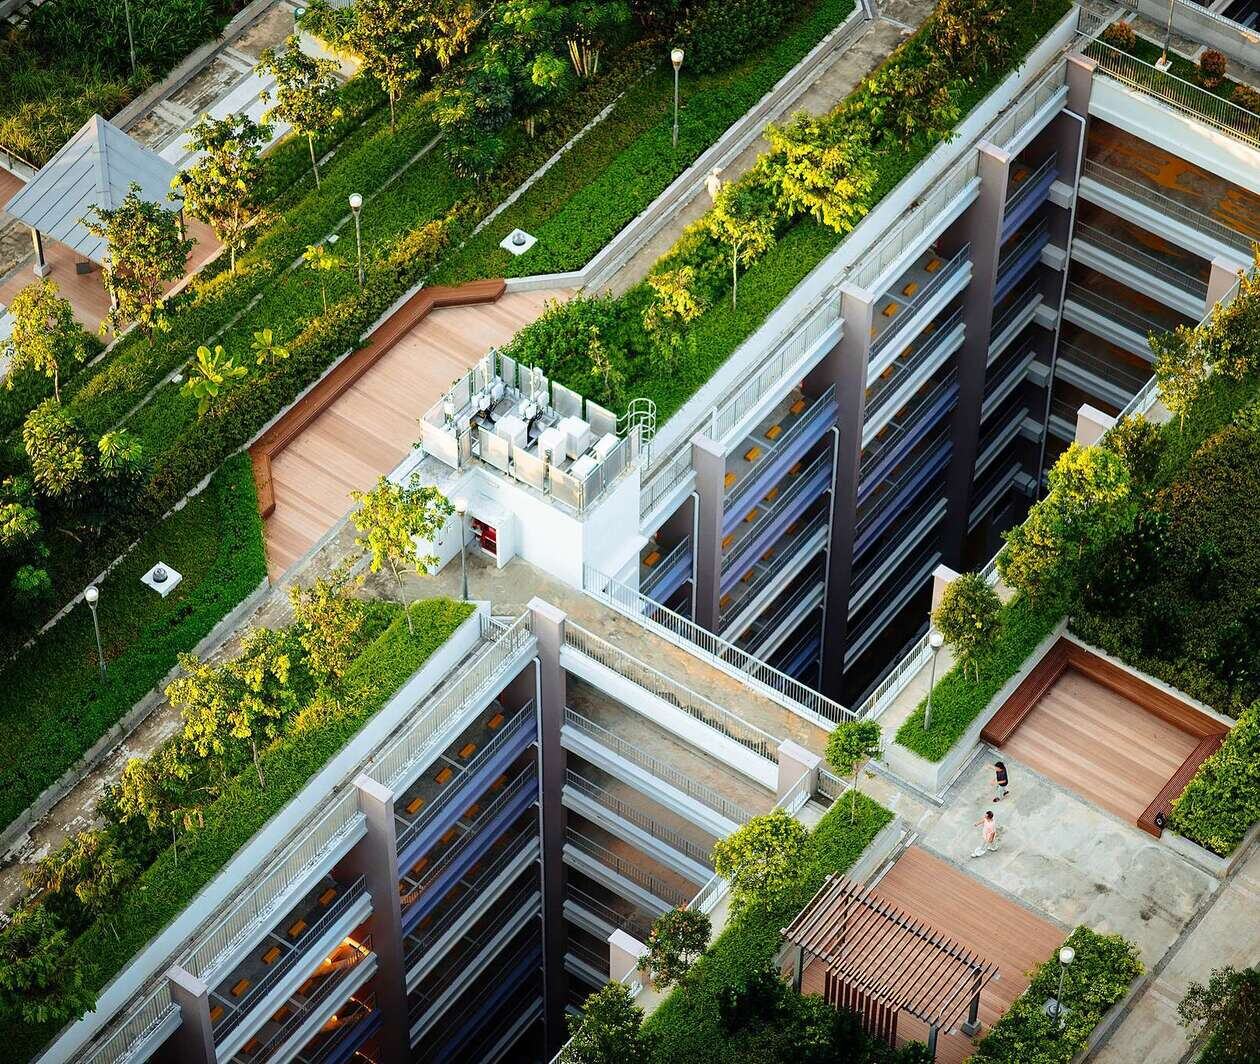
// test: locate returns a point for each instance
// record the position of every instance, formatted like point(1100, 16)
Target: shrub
point(1139, 443)
point(1212, 67)
point(677, 938)
point(608, 1030)
point(970, 619)
point(1120, 34)
point(850, 744)
point(761, 858)
point(1246, 97)
point(1222, 802)
point(720, 33)
point(1227, 1010)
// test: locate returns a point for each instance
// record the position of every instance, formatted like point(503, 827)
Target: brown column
point(709, 462)
point(42, 269)
point(193, 1043)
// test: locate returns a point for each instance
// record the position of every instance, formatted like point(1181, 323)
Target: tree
point(45, 337)
point(22, 551)
point(40, 980)
point(389, 36)
point(1139, 444)
point(221, 186)
point(156, 791)
point(674, 306)
point(146, 253)
point(87, 868)
point(592, 24)
point(823, 168)
point(851, 743)
point(968, 35)
point(1227, 1010)
point(266, 349)
point(328, 620)
point(120, 459)
point(970, 618)
point(608, 1031)
point(391, 519)
point(59, 453)
point(761, 858)
point(677, 938)
point(743, 217)
point(449, 31)
point(320, 259)
point(1180, 369)
point(206, 697)
point(305, 92)
point(208, 375)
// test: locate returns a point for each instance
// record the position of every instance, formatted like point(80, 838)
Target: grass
point(54, 705)
point(1181, 67)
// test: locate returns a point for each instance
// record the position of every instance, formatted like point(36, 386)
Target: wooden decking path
point(371, 425)
point(1100, 744)
point(996, 928)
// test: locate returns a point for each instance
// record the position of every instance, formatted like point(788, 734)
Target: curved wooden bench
point(343, 375)
point(1042, 677)
point(1171, 791)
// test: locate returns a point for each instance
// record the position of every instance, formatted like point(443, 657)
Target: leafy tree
point(1181, 367)
point(674, 306)
point(970, 618)
point(821, 168)
point(471, 111)
point(913, 101)
point(31, 585)
point(1139, 443)
point(266, 349)
point(45, 337)
point(743, 217)
point(157, 791)
point(449, 31)
point(120, 459)
point(22, 551)
point(851, 743)
point(605, 369)
point(592, 24)
point(329, 620)
point(761, 858)
point(208, 375)
point(608, 1031)
point(146, 253)
point(305, 93)
point(59, 453)
point(677, 938)
point(522, 42)
point(206, 697)
point(221, 186)
point(39, 982)
point(968, 36)
point(389, 36)
point(320, 258)
point(1227, 1009)
point(391, 519)
point(87, 870)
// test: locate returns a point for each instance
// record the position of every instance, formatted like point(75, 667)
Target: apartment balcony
point(500, 1037)
point(765, 524)
point(663, 572)
point(875, 617)
point(1011, 319)
point(1127, 324)
point(1027, 189)
point(1018, 260)
point(991, 489)
point(888, 392)
point(914, 300)
point(762, 461)
point(615, 873)
point(773, 570)
point(1113, 380)
point(1139, 268)
point(798, 600)
point(800, 655)
point(586, 963)
point(1007, 422)
point(904, 537)
point(598, 918)
point(902, 434)
point(1006, 375)
point(901, 487)
point(297, 945)
point(341, 1038)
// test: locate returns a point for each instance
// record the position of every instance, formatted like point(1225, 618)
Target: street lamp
point(1054, 1007)
point(356, 205)
point(131, 44)
point(1162, 63)
point(676, 57)
point(461, 508)
point(90, 595)
point(935, 641)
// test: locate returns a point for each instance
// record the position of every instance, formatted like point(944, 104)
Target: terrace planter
point(1201, 857)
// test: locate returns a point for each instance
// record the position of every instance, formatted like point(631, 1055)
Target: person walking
point(988, 835)
point(1001, 786)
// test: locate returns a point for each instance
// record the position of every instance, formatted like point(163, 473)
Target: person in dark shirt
point(1001, 787)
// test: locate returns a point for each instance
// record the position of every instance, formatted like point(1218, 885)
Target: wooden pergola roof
point(901, 962)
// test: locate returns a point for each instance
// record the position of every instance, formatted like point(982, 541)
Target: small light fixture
point(676, 57)
point(91, 595)
point(356, 202)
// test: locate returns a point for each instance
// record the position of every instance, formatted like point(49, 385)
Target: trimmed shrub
point(1120, 34)
point(1222, 802)
point(1212, 67)
point(1247, 98)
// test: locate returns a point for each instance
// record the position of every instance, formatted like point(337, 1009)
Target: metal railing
point(1031, 100)
point(1018, 306)
point(342, 1033)
point(616, 863)
point(470, 683)
point(941, 278)
point(1130, 252)
point(773, 571)
point(721, 720)
point(999, 373)
point(589, 956)
point(910, 525)
point(880, 389)
point(666, 773)
point(1127, 186)
point(1133, 320)
point(1024, 189)
point(772, 619)
point(909, 411)
point(666, 478)
point(922, 454)
point(629, 813)
point(810, 418)
point(656, 574)
point(1117, 373)
point(1039, 233)
point(1189, 99)
point(489, 988)
point(146, 1017)
point(830, 785)
point(631, 924)
point(736, 557)
point(723, 654)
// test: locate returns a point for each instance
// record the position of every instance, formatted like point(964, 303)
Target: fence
point(139, 1023)
point(633, 815)
point(652, 884)
point(942, 277)
point(1131, 253)
point(1032, 100)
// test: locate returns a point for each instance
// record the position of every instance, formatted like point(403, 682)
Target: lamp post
point(676, 57)
point(1054, 1007)
point(1162, 63)
point(90, 595)
point(461, 508)
point(356, 205)
point(131, 44)
point(935, 641)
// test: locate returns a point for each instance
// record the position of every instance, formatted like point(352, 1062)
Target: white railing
point(666, 478)
point(789, 693)
point(1129, 252)
point(618, 864)
point(1023, 190)
point(634, 815)
point(830, 785)
point(138, 1024)
point(1032, 100)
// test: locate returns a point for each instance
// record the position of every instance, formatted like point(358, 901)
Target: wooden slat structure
point(882, 961)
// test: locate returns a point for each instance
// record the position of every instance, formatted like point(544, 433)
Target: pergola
point(880, 962)
point(95, 167)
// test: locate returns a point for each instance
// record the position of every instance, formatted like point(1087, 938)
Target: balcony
point(990, 490)
point(663, 572)
point(869, 625)
point(904, 432)
point(889, 389)
point(599, 918)
point(1136, 266)
point(1016, 261)
point(1007, 375)
point(1027, 189)
point(1113, 380)
point(904, 536)
point(1006, 423)
point(799, 656)
point(1127, 325)
point(920, 295)
point(348, 1029)
point(768, 632)
point(1012, 319)
point(772, 571)
point(901, 487)
point(624, 878)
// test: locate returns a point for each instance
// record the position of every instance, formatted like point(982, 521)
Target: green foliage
point(1139, 443)
point(761, 858)
point(970, 618)
point(305, 93)
point(823, 168)
point(1222, 801)
point(86, 874)
point(744, 218)
point(677, 938)
point(1098, 978)
point(1227, 1010)
point(328, 620)
point(851, 744)
point(38, 984)
point(673, 307)
point(209, 374)
point(60, 454)
point(608, 1030)
point(719, 33)
point(45, 337)
point(387, 35)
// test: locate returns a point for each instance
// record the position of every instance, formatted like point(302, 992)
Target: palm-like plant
point(266, 349)
point(319, 258)
point(208, 376)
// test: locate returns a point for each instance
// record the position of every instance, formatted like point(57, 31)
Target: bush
point(1099, 977)
point(1212, 67)
point(1222, 802)
point(608, 1030)
point(721, 32)
point(1246, 97)
point(1227, 1010)
point(760, 858)
point(1120, 34)
point(677, 938)
point(970, 619)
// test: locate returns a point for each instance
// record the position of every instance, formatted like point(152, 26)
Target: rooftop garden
point(256, 728)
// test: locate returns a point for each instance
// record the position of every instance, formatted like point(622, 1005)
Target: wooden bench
point(444, 774)
point(240, 987)
point(652, 559)
point(281, 1014)
point(327, 896)
point(252, 1046)
point(774, 432)
point(728, 480)
point(419, 867)
point(467, 750)
point(495, 722)
point(271, 956)
point(216, 1014)
point(752, 454)
point(414, 806)
point(797, 407)
point(347, 372)
point(296, 928)
point(1171, 791)
point(1026, 695)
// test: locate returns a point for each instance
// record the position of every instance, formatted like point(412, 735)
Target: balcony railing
point(927, 451)
point(761, 743)
point(736, 559)
point(615, 862)
point(652, 580)
point(773, 571)
point(1131, 319)
point(942, 278)
point(1024, 189)
point(348, 1027)
point(1118, 373)
point(773, 619)
point(1017, 306)
point(592, 958)
point(820, 410)
point(882, 390)
point(877, 449)
point(1039, 233)
point(1137, 190)
point(632, 925)
point(1131, 253)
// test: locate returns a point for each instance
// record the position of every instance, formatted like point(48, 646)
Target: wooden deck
point(998, 929)
point(373, 424)
point(1099, 743)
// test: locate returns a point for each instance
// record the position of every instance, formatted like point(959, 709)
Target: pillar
point(624, 951)
point(798, 968)
point(193, 1043)
point(376, 859)
point(942, 577)
point(709, 462)
point(1080, 83)
point(548, 623)
point(1223, 277)
point(795, 764)
point(1091, 425)
point(971, 1025)
point(42, 269)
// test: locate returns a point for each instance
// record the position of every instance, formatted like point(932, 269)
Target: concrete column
point(942, 577)
point(709, 462)
point(624, 952)
point(845, 366)
point(982, 228)
point(548, 624)
point(193, 1043)
point(1091, 425)
point(42, 269)
point(795, 764)
point(1080, 83)
point(376, 859)
point(1223, 277)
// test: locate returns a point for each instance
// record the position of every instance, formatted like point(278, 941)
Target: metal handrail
point(1131, 319)
point(1041, 231)
point(1151, 263)
point(489, 987)
point(1114, 373)
point(943, 275)
point(877, 448)
point(862, 573)
point(999, 372)
point(882, 389)
point(661, 832)
point(618, 864)
point(809, 418)
point(139, 1023)
point(735, 558)
point(1031, 100)
point(769, 620)
point(773, 573)
point(1024, 189)
point(870, 507)
point(830, 785)
point(630, 924)
point(364, 1008)
point(721, 720)
point(1018, 306)
point(665, 479)
point(654, 577)
point(636, 755)
point(586, 954)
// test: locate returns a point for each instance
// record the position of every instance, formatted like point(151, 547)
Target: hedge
point(1222, 801)
point(1098, 978)
point(54, 705)
point(171, 883)
point(688, 1023)
point(957, 699)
